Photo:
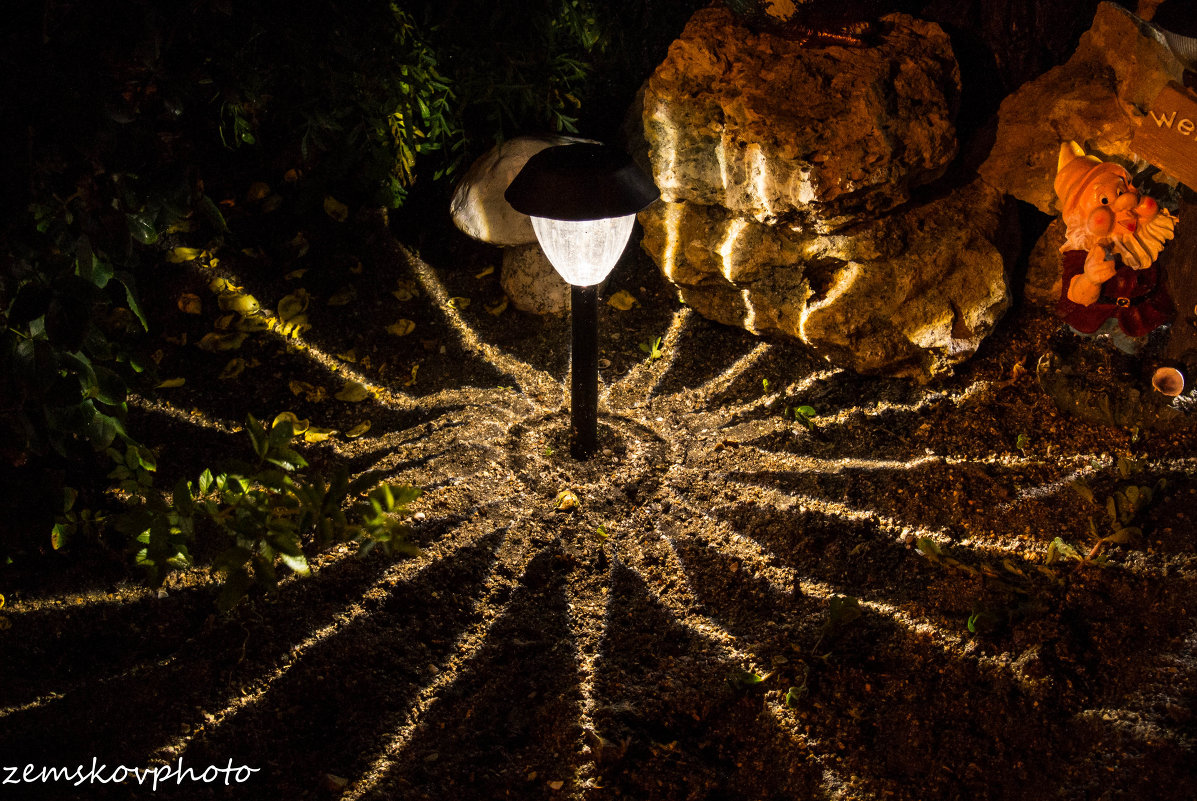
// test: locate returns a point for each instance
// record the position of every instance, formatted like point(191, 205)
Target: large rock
point(1043, 283)
point(478, 206)
point(530, 282)
point(911, 293)
point(813, 136)
point(1098, 98)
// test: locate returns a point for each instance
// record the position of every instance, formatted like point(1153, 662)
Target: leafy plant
point(842, 610)
point(653, 349)
point(1122, 506)
point(261, 514)
point(746, 679)
point(803, 415)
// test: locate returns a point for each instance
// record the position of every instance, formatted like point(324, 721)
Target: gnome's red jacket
point(1137, 298)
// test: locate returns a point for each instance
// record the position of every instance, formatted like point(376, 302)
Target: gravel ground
point(741, 606)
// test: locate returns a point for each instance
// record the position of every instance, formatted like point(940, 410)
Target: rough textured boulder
point(910, 293)
point(787, 173)
point(1042, 286)
point(815, 136)
point(1098, 98)
point(478, 206)
point(531, 283)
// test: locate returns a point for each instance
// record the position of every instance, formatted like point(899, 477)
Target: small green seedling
point(982, 621)
point(548, 451)
point(746, 679)
point(794, 695)
point(765, 384)
point(1022, 442)
point(842, 610)
point(803, 415)
point(653, 349)
point(601, 532)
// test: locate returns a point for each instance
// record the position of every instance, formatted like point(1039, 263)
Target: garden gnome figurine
point(1113, 234)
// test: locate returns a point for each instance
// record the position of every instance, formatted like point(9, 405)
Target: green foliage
point(794, 695)
point(802, 414)
point(260, 514)
point(842, 611)
point(746, 679)
point(653, 349)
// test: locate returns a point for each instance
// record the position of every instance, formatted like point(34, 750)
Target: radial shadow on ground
point(302, 708)
point(667, 731)
point(507, 724)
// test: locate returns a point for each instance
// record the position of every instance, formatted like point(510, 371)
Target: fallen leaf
point(556, 785)
point(291, 175)
point(459, 303)
point(300, 243)
point(293, 305)
point(358, 430)
point(402, 328)
point(357, 269)
point(258, 190)
point(335, 209)
point(353, 392)
point(180, 255)
point(411, 381)
point(238, 302)
point(298, 426)
point(485, 272)
point(272, 203)
point(318, 434)
point(255, 323)
point(498, 308)
point(313, 394)
point(567, 500)
point(295, 275)
point(181, 339)
point(218, 285)
point(348, 356)
point(190, 303)
point(224, 322)
point(343, 296)
point(213, 341)
point(293, 327)
point(234, 368)
point(622, 300)
point(171, 383)
point(406, 290)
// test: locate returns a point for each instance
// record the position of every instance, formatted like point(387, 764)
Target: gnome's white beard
point(1138, 250)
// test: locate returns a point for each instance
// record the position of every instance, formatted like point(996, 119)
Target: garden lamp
point(583, 200)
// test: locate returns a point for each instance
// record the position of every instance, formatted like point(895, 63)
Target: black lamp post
point(583, 200)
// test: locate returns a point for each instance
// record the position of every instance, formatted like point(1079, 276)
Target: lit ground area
point(742, 606)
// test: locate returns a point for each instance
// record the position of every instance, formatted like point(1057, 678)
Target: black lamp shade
point(580, 182)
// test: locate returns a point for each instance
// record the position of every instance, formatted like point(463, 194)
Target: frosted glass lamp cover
point(583, 251)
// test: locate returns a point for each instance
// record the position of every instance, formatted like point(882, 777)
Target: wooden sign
point(1167, 137)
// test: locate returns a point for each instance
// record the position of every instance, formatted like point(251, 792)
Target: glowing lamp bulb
point(583, 251)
